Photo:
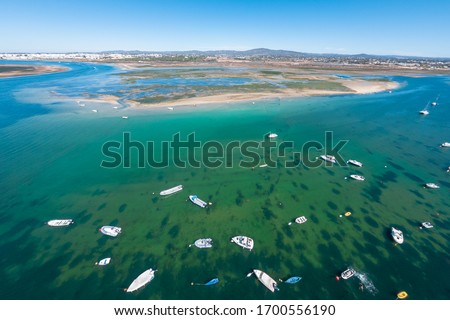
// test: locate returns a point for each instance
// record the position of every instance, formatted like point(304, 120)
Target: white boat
point(355, 163)
point(197, 201)
point(243, 241)
point(203, 243)
point(328, 158)
point(144, 278)
point(435, 102)
point(432, 185)
point(94, 110)
point(445, 145)
point(171, 190)
point(301, 220)
point(170, 108)
point(350, 272)
point(397, 235)
point(272, 135)
point(266, 280)
point(124, 117)
point(103, 262)
point(424, 112)
point(427, 225)
point(60, 223)
point(357, 177)
point(110, 231)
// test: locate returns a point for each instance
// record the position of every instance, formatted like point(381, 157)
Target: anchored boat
point(197, 201)
point(103, 262)
point(171, 190)
point(355, 163)
point(328, 158)
point(203, 243)
point(110, 231)
point(243, 241)
point(397, 235)
point(144, 278)
point(357, 177)
point(266, 280)
point(60, 223)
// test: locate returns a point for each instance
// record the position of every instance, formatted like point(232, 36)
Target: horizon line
point(227, 50)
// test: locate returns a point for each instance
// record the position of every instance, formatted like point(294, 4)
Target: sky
point(395, 27)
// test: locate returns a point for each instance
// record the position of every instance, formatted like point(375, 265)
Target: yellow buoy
point(348, 213)
point(402, 295)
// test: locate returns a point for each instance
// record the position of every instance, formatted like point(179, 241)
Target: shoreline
point(19, 70)
point(357, 86)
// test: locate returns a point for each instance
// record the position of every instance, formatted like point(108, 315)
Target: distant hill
point(263, 52)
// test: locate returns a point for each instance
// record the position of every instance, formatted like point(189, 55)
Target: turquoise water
point(50, 155)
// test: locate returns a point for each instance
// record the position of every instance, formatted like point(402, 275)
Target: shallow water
point(50, 155)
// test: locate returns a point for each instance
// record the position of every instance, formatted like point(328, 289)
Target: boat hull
point(348, 273)
point(110, 231)
point(266, 280)
point(104, 262)
point(196, 200)
point(355, 163)
point(203, 243)
point(397, 235)
point(144, 278)
point(60, 223)
point(357, 177)
point(171, 190)
point(328, 158)
point(243, 241)
point(301, 220)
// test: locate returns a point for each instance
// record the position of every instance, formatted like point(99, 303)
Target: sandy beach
point(355, 86)
point(11, 70)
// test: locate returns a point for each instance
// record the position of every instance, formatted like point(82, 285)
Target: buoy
point(337, 278)
point(348, 213)
point(340, 216)
point(402, 295)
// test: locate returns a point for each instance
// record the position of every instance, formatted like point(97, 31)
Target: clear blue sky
point(415, 27)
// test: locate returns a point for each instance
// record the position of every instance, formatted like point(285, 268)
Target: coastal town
point(256, 57)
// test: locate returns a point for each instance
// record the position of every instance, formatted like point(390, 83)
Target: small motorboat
point(402, 295)
point(110, 231)
point(243, 241)
point(103, 262)
point(203, 243)
point(60, 223)
point(357, 177)
point(171, 190)
point(347, 274)
point(266, 280)
point(124, 117)
point(94, 110)
point(432, 185)
point(424, 112)
point(355, 163)
point(397, 235)
point(445, 145)
point(292, 280)
point(272, 135)
point(301, 220)
point(427, 225)
point(197, 201)
point(328, 158)
point(144, 278)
